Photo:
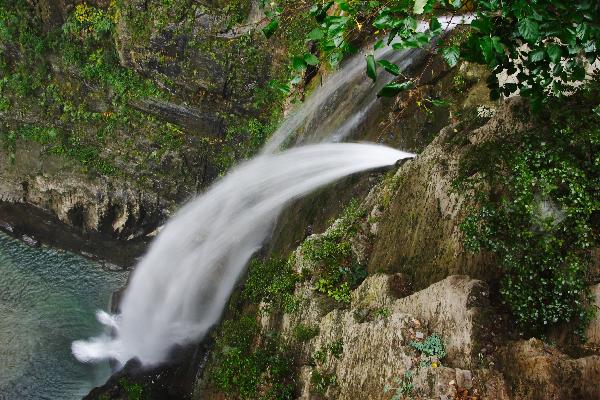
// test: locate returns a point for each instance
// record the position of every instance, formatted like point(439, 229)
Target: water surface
point(48, 299)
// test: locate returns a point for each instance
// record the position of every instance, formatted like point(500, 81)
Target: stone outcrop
point(418, 233)
point(539, 371)
point(86, 202)
point(377, 349)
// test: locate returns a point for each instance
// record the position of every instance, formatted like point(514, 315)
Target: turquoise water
point(48, 298)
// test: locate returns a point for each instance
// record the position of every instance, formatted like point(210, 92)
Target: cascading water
point(179, 289)
point(339, 106)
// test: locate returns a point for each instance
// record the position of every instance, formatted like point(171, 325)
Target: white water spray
point(179, 289)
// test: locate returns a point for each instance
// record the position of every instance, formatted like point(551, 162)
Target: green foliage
point(334, 349)
point(561, 37)
point(69, 127)
point(403, 388)
point(383, 313)
point(320, 381)
point(432, 346)
point(337, 270)
point(250, 371)
point(541, 217)
point(304, 333)
point(134, 391)
point(272, 281)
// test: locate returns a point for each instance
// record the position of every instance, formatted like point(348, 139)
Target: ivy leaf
point(529, 30)
point(392, 89)
point(487, 48)
point(389, 67)
point(315, 34)
point(554, 52)
point(371, 67)
point(536, 55)
point(451, 55)
point(483, 24)
point(298, 64)
point(270, 28)
point(435, 26)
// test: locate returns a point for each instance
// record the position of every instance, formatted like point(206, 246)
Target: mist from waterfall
point(180, 288)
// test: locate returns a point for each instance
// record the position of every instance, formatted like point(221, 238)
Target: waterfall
point(179, 289)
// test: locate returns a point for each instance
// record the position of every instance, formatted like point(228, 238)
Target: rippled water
point(47, 299)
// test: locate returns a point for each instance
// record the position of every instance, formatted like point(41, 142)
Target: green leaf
point(435, 26)
point(371, 67)
point(554, 52)
point(392, 89)
point(451, 55)
point(487, 48)
point(298, 63)
point(296, 80)
point(483, 24)
point(529, 30)
point(311, 59)
point(419, 7)
point(281, 87)
point(270, 28)
point(389, 67)
point(536, 55)
point(315, 34)
point(378, 45)
point(343, 5)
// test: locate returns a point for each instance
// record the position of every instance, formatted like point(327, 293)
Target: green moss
point(134, 391)
point(271, 282)
point(336, 269)
point(321, 381)
point(249, 371)
point(304, 333)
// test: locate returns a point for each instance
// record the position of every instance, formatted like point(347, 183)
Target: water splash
point(179, 289)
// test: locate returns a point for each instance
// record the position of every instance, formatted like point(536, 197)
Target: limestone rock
point(539, 371)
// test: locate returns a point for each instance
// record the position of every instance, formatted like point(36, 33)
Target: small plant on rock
point(432, 350)
point(403, 388)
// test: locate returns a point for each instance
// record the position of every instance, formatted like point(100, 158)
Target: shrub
point(541, 217)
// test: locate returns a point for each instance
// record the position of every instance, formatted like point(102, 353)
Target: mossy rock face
point(159, 96)
point(419, 232)
point(197, 49)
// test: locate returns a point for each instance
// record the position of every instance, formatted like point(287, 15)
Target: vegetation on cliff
point(540, 218)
